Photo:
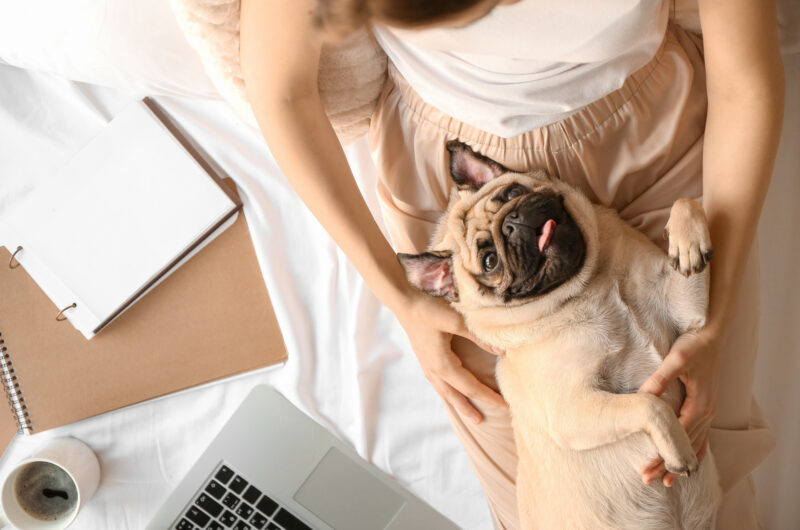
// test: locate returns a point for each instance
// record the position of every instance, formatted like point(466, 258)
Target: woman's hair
point(340, 17)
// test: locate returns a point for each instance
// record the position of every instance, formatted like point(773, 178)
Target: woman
point(635, 113)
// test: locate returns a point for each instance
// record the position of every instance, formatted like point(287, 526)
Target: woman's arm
point(745, 111)
point(280, 50)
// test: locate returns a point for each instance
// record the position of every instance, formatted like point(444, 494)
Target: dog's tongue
point(547, 231)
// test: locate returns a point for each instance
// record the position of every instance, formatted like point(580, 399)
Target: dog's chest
point(625, 332)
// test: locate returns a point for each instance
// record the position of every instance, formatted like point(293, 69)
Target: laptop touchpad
point(346, 496)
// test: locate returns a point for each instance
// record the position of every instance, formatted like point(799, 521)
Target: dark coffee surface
point(45, 491)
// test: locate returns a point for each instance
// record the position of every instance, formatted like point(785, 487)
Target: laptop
point(272, 467)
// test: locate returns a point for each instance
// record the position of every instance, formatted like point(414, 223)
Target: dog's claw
point(684, 471)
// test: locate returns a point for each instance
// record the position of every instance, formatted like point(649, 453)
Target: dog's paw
point(689, 240)
point(684, 466)
point(671, 440)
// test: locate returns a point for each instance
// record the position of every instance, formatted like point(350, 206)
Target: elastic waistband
point(553, 137)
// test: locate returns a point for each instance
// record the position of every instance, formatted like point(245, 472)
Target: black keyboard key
point(273, 526)
point(215, 489)
point(238, 484)
point(289, 521)
point(266, 505)
point(183, 524)
point(224, 474)
point(215, 526)
point(252, 494)
point(258, 521)
point(245, 510)
point(241, 525)
point(230, 501)
point(227, 519)
point(197, 517)
point(208, 504)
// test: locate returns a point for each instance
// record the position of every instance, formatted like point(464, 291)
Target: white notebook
point(126, 210)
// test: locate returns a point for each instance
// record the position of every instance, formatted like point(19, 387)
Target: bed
point(68, 70)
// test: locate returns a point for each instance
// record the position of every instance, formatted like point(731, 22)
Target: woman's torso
point(528, 64)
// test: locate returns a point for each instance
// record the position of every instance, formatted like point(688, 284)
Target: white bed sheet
point(350, 366)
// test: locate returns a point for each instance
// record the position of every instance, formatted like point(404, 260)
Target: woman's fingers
point(462, 331)
point(699, 436)
point(458, 386)
point(658, 472)
point(650, 465)
point(459, 402)
point(671, 367)
point(654, 472)
point(696, 429)
point(703, 446)
point(695, 417)
point(430, 327)
point(470, 386)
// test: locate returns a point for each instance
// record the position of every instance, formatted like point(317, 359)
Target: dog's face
point(506, 238)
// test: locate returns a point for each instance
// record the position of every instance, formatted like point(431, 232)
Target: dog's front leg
point(689, 255)
point(588, 418)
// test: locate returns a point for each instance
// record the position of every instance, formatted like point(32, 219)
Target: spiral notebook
point(210, 319)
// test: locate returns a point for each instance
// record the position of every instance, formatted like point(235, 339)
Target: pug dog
point(585, 308)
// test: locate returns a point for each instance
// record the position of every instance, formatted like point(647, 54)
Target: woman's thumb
point(487, 347)
point(462, 330)
point(669, 370)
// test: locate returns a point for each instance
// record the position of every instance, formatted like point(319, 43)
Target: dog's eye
point(490, 261)
point(513, 192)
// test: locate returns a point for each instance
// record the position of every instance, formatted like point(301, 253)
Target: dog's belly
point(600, 487)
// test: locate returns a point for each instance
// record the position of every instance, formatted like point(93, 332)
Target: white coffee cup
point(47, 490)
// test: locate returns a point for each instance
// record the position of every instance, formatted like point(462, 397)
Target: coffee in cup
point(45, 491)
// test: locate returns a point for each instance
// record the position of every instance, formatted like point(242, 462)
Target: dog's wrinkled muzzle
point(527, 230)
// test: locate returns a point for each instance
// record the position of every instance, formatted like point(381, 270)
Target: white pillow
point(134, 45)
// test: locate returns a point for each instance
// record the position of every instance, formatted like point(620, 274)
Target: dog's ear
point(431, 273)
point(469, 169)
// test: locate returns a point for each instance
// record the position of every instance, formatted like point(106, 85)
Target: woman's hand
point(694, 359)
point(430, 324)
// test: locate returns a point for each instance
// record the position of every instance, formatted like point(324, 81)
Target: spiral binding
point(13, 391)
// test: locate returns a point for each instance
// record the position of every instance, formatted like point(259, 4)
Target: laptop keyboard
point(227, 501)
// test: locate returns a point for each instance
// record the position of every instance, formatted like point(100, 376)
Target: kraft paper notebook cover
point(210, 319)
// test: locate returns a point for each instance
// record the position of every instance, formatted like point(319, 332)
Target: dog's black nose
point(509, 223)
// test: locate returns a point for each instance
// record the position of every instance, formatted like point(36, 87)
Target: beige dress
point(637, 150)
